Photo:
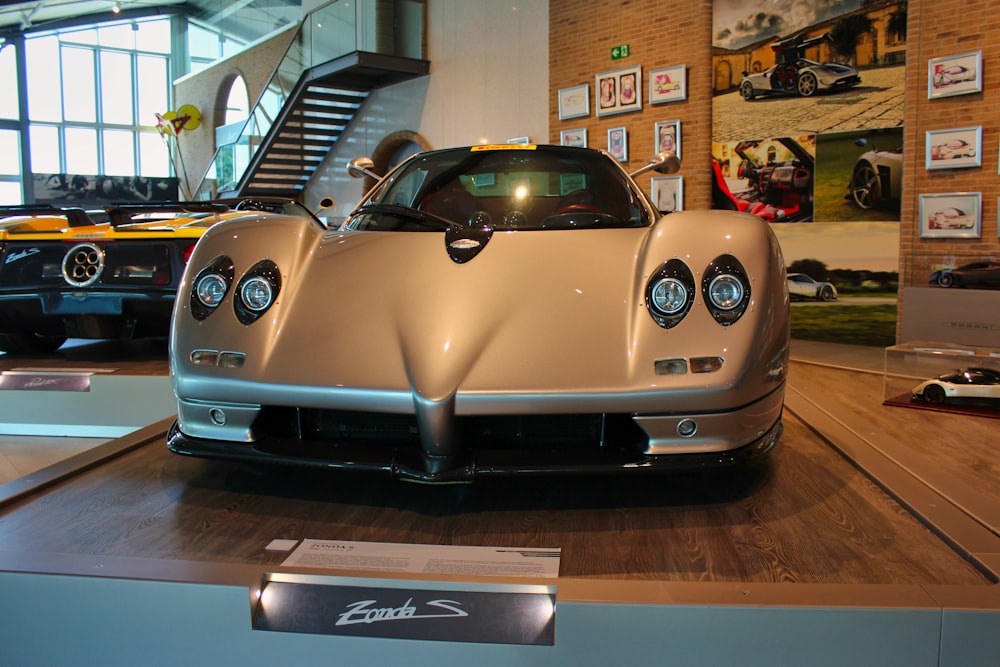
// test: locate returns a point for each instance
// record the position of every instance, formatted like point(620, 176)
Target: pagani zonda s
point(70, 273)
point(965, 383)
point(487, 310)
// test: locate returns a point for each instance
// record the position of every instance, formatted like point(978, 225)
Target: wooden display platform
point(869, 540)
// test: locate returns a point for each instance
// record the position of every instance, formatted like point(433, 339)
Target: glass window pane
point(10, 153)
point(8, 84)
point(202, 43)
point(44, 149)
point(79, 88)
point(44, 99)
point(153, 36)
point(119, 153)
point(10, 193)
point(116, 88)
point(153, 82)
point(87, 36)
point(154, 160)
point(81, 151)
point(120, 36)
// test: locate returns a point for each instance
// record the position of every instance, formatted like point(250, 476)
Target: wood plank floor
point(808, 517)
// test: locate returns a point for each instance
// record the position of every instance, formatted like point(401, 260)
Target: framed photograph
point(951, 215)
point(618, 144)
point(618, 91)
point(667, 137)
point(668, 84)
point(519, 140)
point(953, 149)
point(955, 75)
point(575, 137)
point(574, 102)
point(667, 193)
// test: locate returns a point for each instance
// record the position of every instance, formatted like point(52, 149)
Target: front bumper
point(621, 443)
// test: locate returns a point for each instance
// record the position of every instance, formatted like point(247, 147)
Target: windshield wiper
point(420, 217)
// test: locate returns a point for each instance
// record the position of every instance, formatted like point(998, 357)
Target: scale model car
point(801, 286)
point(69, 273)
point(965, 383)
point(491, 310)
point(801, 77)
point(946, 76)
point(975, 274)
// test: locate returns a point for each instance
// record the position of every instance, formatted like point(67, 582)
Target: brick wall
point(660, 34)
point(941, 29)
point(672, 33)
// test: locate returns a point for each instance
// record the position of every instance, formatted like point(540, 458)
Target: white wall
point(489, 82)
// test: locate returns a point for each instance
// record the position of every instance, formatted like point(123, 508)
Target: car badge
point(465, 242)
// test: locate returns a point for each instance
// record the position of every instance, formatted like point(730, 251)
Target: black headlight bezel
point(678, 271)
point(726, 265)
point(266, 270)
point(221, 266)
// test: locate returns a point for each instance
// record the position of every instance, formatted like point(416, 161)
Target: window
point(110, 81)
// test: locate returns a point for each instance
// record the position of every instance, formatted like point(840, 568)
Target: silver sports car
point(802, 77)
point(489, 310)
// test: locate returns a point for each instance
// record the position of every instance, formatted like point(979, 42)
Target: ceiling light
point(116, 8)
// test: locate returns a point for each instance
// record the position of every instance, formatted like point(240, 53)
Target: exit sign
point(620, 51)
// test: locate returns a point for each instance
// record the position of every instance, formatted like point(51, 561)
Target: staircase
point(317, 112)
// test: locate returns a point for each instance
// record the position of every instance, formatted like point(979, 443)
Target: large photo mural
point(806, 134)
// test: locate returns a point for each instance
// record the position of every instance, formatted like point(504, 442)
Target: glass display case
point(943, 376)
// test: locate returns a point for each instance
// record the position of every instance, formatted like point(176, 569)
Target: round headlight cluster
point(727, 289)
point(256, 294)
point(670, 293)
point(669, 296)
point(210, 286)
point(257, 291)
point(211, 289)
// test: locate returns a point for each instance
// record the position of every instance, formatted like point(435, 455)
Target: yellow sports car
point(70, 273)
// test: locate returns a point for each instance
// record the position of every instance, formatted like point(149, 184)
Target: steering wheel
point(579, 208)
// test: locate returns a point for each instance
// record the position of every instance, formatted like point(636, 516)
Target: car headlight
point(210, 287)
point(726, 289)
point(257, 291)
point(670, 293)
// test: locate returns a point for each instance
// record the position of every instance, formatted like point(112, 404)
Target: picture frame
point(618, 91)
point(667, 137)
point(575, 137)
point(574, 102)
point(667, 193)
point(951, 215)
point(618, 143)
point(668, 84)
point(954, 149)
point(519, 140)
point(955, 75)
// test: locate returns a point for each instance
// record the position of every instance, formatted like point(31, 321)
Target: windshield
point(505, 188)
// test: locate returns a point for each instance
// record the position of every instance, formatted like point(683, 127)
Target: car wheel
point(826, 293)
point(21, 342)
point(746, 90)
point(807, 84)
point(946, 280)
point(934, 393)
point(865, 188)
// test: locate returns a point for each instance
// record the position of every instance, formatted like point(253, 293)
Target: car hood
point(55, 228)
point(534, 312)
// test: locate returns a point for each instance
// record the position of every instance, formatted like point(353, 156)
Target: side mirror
point(324, 203)
point(360, 167)
point(861, 142)
point(662, 163)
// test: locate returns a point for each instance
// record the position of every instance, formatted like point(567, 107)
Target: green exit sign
point(620, 51)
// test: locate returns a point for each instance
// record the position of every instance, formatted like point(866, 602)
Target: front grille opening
point(476, 433)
